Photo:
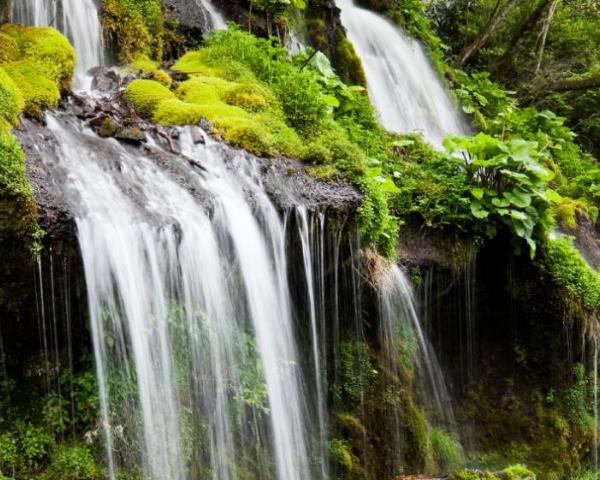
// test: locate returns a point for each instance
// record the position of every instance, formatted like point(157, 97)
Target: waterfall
point(403, 85)
point(190, 311)
point(400, 329)
point(215, 19)
point(76, 19)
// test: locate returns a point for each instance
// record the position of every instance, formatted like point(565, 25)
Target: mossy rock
point(39, 91)
point(47, 48)
point(9, 48)
point(11, 101)
point(177, 112)
point(43, 67)
point(146, 95)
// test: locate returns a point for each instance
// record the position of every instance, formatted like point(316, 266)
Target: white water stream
point(201, 371)
point(405, 89)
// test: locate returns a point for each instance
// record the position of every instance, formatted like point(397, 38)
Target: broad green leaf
point(477, 193)
point(478, 211)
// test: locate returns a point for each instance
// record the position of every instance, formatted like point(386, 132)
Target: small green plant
point(357, 373)
point(447, 450)
point(73, 463)
point(340, 453)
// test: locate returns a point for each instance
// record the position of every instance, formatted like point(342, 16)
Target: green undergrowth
point(258, 98)
point(514, 472)
point(135, 27)
point(43, 434)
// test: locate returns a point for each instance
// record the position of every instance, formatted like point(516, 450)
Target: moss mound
point(41, 65)
point(146, 95)
point(11, 101)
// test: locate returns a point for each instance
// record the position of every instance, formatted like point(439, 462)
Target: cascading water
point(403, 86)
point(215, 19)
point(77, 19)
point(400, 330)
point(190, 311)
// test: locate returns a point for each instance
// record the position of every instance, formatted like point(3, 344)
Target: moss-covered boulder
point(40, 61)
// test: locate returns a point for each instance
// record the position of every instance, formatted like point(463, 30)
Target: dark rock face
point(191, 19)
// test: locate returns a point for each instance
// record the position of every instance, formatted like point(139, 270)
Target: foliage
point(357, 373)
point(563, 262)
point(136, 27)
point(256, 97)
point(339, 452)
point(447, 451)
point(508, 184)
point(74, 463)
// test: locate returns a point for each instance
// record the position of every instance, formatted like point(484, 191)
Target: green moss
point(43, 68)
point(517, 472)
point(11, 101)
point(347, 63)
point(163, 77)
point(39, 91)
point(472, 475)
point(340, 453)
point(567, 268)
point(9, 48)
point(177, 112)
point(142, 63)
point(568, 210)
point(146, 95)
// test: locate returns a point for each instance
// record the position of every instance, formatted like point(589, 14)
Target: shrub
point(447, 451)
point(340, 453)
point(73, 463)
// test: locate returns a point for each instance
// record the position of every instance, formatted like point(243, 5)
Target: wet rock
point(104, 79)
point(109, 127)
point(131, 134)
point(191, 20)
point(198, 136)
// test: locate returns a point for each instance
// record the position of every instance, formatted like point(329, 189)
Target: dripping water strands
point(400, 330)
point(405, 89)
point(191, 311)
point(214, 20)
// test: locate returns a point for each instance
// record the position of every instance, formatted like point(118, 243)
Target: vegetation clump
point(43, 68)
point(257, 97)
point(135, 27)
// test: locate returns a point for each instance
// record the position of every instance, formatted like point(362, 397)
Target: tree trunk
point(544, 35)
point(569, 85)
point(521, 35)
point(485, 34)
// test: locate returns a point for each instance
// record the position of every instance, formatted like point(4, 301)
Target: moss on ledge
point(569, 270)
point(35, 65)
point(41, 65)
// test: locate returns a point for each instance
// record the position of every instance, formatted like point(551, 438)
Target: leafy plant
point(508, 184)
